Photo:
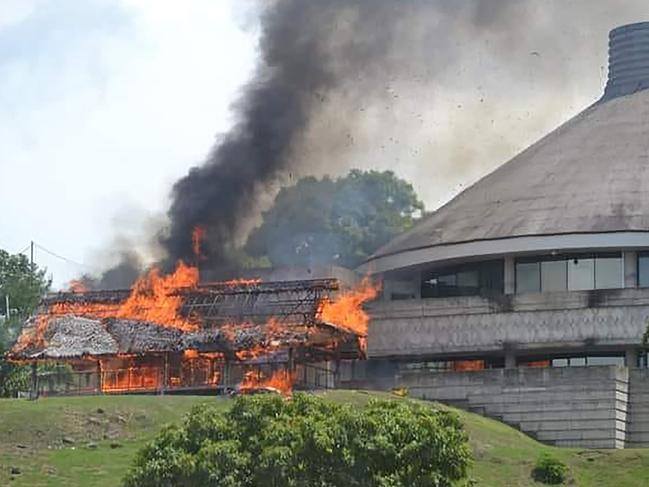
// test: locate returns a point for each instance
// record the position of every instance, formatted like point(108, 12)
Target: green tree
point(24, 284)
point(267, 441)
point(340, 221)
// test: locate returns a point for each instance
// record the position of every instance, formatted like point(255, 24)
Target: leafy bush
point(13, 379)
point(269, 441)
point(550, 470)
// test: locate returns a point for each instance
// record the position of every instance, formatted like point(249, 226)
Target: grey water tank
point(628, 60)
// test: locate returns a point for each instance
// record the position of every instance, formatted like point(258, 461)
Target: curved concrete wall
point(533, 322)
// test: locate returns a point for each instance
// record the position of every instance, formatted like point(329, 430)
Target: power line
point(58, 256)
point(23, 250)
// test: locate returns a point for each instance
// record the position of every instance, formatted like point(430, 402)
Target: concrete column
point(630, 269)
point(510, 360)
point(631, 358)
point(510, 275)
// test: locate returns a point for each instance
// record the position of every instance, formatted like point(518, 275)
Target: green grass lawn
point(91, 441)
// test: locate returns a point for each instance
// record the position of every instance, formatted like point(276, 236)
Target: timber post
point(34, 393)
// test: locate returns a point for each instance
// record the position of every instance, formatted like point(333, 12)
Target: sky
point(105, 103)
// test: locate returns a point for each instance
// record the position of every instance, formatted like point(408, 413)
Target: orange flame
point(36, 338)
point(131, 378)
point(346, 310)
point(153, 298)
point(77, 286)
point(281, 380)
point(197, 242)
point(190, 354)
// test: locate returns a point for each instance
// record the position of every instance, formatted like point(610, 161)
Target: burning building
point(171, 334)
point(525, 297)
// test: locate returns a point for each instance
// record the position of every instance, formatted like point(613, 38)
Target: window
point(643, 269)
point(572, 272)
point(465, 280)
point(601, 360)
point(581, 274)
point(609, 272)
point(528, 277)
point(554, 275)
point(588, 361)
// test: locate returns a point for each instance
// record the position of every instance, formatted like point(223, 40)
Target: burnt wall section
point(571, 407)
point(584, 320)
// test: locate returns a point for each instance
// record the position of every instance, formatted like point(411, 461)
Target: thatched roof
point(229, 318)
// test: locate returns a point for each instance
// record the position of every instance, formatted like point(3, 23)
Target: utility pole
point(31, 255)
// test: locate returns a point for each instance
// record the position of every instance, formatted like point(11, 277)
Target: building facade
point(526, 297)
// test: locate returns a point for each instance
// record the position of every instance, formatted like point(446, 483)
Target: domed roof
point(591, 175)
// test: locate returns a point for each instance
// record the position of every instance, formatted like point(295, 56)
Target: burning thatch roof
point(226, 318)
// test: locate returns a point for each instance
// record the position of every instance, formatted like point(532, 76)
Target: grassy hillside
point(91, 441)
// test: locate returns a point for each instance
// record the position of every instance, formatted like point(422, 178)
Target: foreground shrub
point(550, 470)
point(306, 442)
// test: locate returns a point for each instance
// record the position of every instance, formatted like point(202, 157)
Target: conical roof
point(591, 175)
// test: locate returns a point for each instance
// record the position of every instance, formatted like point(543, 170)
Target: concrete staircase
point(573, 407)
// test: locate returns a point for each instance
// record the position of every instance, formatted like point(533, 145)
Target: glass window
point(468, 279)
point(446, 280)
point(554, 275)
point(581, 274)
point(528, 277)
point(577, 361)
point(609, 273)
point(643, 270)
point(605, 360)
point(465, 280)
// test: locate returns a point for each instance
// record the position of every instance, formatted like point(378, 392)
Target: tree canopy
point(24, 283)
point(340, 221)
point(268, 441)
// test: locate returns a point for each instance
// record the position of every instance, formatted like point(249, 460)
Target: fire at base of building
point(170, 334)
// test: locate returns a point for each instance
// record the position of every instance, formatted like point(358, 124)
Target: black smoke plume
point(308, 50)
point(332, 76)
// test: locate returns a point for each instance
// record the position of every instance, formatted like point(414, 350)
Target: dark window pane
point(643, 271)
point(553, 275)
point(465, 280)
point(581, 274)
point(609, 273)
point(468, 279)
point(447, 280)
point(528, 279)
point(492, 276)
